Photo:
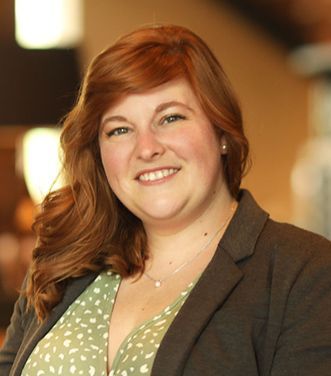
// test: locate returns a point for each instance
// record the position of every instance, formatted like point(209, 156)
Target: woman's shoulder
point(296, 256)
point(275, 238)
point(295, 239)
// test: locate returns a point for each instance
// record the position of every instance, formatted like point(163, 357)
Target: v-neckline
point(145, 323)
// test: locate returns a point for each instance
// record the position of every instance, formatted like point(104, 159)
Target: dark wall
point(36, 86)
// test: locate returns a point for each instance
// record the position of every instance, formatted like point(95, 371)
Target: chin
point(160, 212)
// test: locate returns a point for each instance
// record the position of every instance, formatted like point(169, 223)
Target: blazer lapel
point(213, 288)
point(207, 296)
point(37, 331)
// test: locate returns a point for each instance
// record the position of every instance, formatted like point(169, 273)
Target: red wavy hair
point(83, 227)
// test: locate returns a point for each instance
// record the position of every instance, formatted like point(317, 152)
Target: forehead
point(173, 91)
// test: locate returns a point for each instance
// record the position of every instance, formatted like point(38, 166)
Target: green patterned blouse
point(77, 344)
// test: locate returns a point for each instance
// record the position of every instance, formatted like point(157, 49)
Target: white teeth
point(151, 176)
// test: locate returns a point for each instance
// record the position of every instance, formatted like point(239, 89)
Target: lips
point(151, 176)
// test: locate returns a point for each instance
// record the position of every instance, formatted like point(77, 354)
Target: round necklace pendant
point(157, 284)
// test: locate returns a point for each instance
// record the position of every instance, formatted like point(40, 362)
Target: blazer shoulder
point(294, 244)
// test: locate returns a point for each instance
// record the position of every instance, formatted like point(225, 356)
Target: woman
point(152, 260)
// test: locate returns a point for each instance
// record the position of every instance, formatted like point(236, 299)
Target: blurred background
point(277, 54)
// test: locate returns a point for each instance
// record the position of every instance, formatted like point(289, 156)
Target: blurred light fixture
point(41, 162)
point(311, 59)
point(45, 24)
point(311, 174)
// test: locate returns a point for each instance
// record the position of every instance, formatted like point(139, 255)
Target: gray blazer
point(262, 307)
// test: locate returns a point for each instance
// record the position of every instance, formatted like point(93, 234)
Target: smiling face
point(161, 155)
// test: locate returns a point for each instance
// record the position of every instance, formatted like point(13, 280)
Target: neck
point(177, 244)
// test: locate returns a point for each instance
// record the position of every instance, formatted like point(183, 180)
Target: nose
point(148, 146)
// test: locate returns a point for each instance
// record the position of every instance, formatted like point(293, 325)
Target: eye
point(117, 131)
point(171, 118)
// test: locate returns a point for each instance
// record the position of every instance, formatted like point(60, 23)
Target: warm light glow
point(41, 162)
point(42, 24)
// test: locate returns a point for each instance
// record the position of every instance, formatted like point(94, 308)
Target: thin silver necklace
point(158, 282)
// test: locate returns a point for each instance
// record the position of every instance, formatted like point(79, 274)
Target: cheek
point(112, 163)
point(205, 151)
point(200, 144)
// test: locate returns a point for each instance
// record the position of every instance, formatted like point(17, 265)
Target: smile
point(157, 175)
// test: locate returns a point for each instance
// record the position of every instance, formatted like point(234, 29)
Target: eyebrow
point(113, 118)
point(161, 107)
